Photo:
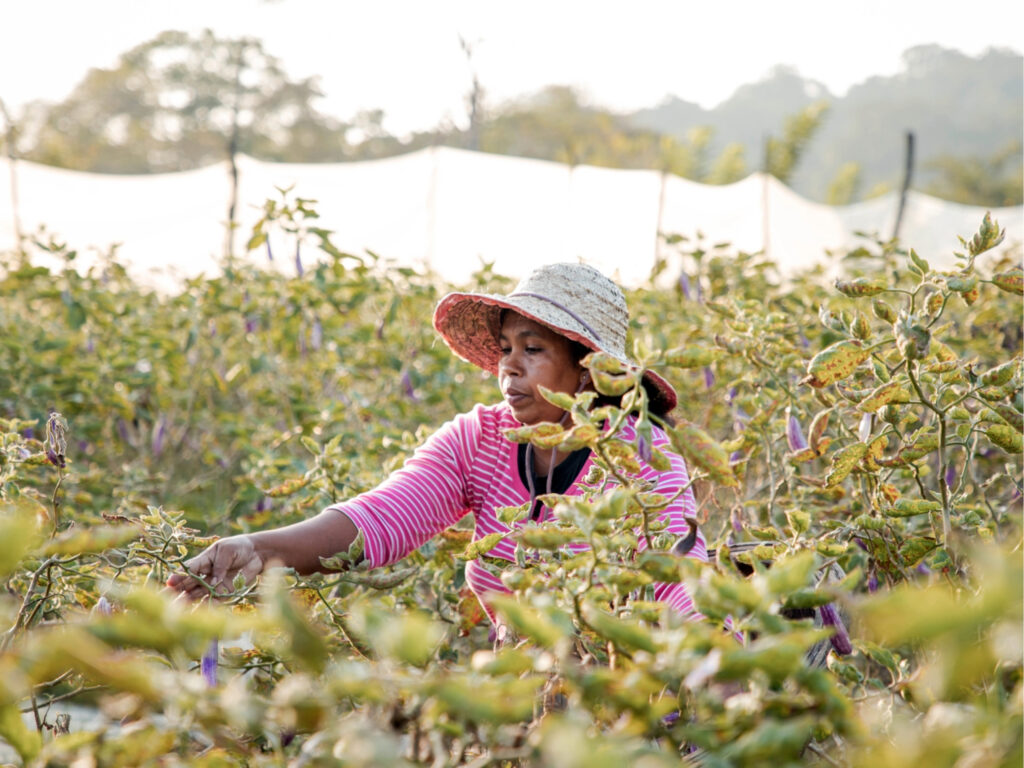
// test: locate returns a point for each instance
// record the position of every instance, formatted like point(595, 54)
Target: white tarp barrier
point(452, 210)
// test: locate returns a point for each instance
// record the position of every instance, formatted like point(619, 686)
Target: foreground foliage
point(874, 425)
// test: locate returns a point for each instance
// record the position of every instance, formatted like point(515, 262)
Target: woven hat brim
point(469, 323)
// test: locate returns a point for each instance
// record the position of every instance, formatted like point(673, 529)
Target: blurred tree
point(556, 124)
point(475, 97)
point(179, 102)
point(783, 154)
point(844, 186)
point(730, 166)
point(995, 181)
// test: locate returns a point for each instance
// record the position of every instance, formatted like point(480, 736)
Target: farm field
point(866, 435)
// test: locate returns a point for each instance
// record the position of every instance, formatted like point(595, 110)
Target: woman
point(534, 337)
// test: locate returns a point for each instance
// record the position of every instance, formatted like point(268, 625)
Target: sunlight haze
point(405, 58)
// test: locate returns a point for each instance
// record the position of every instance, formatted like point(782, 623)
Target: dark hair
point(656, 403)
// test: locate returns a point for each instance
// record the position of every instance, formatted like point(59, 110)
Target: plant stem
point(947, 527)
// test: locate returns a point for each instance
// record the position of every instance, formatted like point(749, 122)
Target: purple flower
point(734, 519)
point(28, 433)
point(122, 430)
point(208, 664)
point(251, 324)
point(298, 259)
point(795, 435)
point(90, 345)
point(159, 433)
point(408, 388)
point(873, 583)
point(316, 335)
point(841, 639)
point(730, 396)
point(103, 606)
point(263, 504)
point(684, 285)
point(270, 253)
point(923, 569)
point(643, 448)
point(709, 377)
point(804, 341)
point(950, 475)
point(736, 457)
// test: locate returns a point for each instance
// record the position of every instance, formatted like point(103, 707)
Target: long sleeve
point(427, 495)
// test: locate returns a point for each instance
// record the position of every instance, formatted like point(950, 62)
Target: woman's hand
point(299, 546)
point(218, 565)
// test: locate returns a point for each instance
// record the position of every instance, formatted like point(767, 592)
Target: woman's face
point(533, 356)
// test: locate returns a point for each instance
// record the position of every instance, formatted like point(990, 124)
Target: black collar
point(565, 474)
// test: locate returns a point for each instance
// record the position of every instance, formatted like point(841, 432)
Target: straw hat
point(574, 300)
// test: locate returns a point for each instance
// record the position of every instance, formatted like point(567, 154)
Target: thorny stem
point(20, 618)
point(947, 527)
point(624, 482)
point(771, 476)
point(884, 342)
point(62, 697)
point(55, 501)
point(821, 753)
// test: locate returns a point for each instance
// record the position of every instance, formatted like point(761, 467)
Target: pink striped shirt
point(469, 466)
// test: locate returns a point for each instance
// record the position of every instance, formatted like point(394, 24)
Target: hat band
point(562, 307)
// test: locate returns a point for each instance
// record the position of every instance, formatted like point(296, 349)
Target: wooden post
point(908, 172)
point(766, 225)
point(661, 215)
point(11, 161)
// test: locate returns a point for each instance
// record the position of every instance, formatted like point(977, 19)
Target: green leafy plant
point(854, 448)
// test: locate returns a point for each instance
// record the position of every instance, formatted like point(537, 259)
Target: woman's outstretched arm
point(299, 546)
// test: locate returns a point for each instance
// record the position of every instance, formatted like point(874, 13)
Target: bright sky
point(403, 56)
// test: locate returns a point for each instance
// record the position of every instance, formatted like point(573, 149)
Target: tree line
point(181, 101)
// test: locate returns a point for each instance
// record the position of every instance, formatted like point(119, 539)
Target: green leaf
point(257, 239)
point(920, 263)
point(511, 515)
point(26, 742)
point(627, 634)
point(560, 399)
point(17, 533)
point(80, 541)
point(482, 545)
point(76, 315)
point(799, 520)
point(545, 629)
point(791, 573)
